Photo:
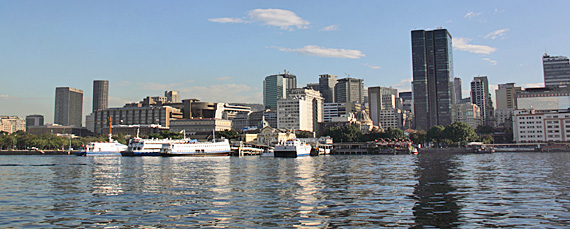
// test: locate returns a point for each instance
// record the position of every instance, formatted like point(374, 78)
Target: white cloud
point(372, 66)
point(404, 85)
point(314, 50)
point(472, 14)
point(4, 97)
point(498, 11)
point(284, 19)
point(493, 35)
point(493, 62)
point(227, 20)
point(330, 28)
point(224, 78)
point(461, 43)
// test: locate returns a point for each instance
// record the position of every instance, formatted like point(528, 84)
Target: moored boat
point(146, 147)
point(194, 148)
point(102, 149)
point(292, 148)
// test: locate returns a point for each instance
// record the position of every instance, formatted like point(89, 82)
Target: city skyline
point(221, 51)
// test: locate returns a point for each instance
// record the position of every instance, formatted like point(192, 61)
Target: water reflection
point(436, 204)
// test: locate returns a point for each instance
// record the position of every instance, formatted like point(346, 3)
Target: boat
point(196, 149)
point(292, 148)
point(146, 147)
point(109, 148)
point(267, 153)
point(113, 148)
point(478, 147)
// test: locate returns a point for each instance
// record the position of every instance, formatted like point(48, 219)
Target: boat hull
point(98, 154)
point(290, 154)
point(191, 154)
point(140, 154)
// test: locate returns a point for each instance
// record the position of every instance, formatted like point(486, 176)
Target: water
point(430, 190)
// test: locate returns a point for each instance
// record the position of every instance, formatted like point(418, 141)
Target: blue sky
point(220, 51)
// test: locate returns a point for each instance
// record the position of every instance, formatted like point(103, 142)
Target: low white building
point(11, 124)
point(530, 126)
point(391, 118)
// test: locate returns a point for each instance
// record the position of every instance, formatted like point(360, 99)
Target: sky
point(220, 51)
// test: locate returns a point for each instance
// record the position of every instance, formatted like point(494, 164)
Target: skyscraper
point(276, 87)
point(505, 99)
point(380, 100)
point(100, 94)
point(326, 87)
point(34, 120)
point(457, 89)
point(349, 90)
point(432, 66)
point(172, 96)
point(68, 106)
point(556, 70)
point(481, 97)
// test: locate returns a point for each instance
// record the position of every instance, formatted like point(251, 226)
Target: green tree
point(484, 129)
point(487, 139)
point(9, 141)
point(435, 134)
point(347, 133)
point(228, 134)
point(393, 133)
point(418, 137)
point(460, 132)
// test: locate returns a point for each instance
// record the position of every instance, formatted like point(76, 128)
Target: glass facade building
point(432, 85)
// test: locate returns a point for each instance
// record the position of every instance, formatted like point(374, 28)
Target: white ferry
point(147, 147)
point(195, 148)
point(292, 148)
point(102, 149)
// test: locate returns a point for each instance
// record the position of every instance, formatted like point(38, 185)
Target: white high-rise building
point(301, 110)
point(505, 99)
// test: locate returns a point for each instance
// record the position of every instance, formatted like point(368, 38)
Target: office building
point(538, 126)
point(100, 94)
point(302, 110)
point(457, 89)
point(276, 87)
point(480, 95)
point(98, 121)
point(327, 83)
point(11, 124)
point(172, 96)
point(505, 99)
point(432, 85)
point(407, 101)
point(349, 90)
point(543, 99)
point(468, 113)
point(68, 106)
point(34, 120)
point(556, 71)
point(381, 99)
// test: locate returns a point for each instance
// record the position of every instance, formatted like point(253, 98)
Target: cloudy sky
point(220, 51)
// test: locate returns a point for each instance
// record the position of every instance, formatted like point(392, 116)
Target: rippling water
point(429, 190)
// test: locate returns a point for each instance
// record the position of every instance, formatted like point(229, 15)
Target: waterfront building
point(327, 83)
point(332, 110)
point(505, 99)
point(98, 121)
point(390, 118)
point(141, 130)
point(270, 136)
point(543, 99)
point(276, 87)
point(432, 85)
point(480, 95)
point(468, 113)
point(68, 106)
point(349, 90)
point(457, 89)
point(34, 120)
point(100, 94)
point(302, 110)
point(11, 124)
point(172, 96)
point(556, 71)
point(536, 126)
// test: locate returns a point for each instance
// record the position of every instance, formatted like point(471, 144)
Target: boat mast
point(110, 127)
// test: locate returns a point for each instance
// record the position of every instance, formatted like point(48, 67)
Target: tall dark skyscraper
point(432, 85)
point(100, 94)
point(276, 87)
point(68, 106)
point(326, 87)
point(556, 71)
